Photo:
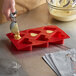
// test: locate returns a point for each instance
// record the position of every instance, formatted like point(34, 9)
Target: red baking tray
point(42, 39)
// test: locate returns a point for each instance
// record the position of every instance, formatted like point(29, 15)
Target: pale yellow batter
point(63, 15)
point(33, 34)
point(49, 31)
point(17, 36)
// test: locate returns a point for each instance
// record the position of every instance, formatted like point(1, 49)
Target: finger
point(12, 6)
point(13, 10)
point(7, 14)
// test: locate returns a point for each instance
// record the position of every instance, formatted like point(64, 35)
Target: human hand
point(8, 7)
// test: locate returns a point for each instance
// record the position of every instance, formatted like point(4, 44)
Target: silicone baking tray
point(41, 37)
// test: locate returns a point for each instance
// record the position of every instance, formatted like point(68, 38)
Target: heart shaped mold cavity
point(26, 41)
point(18, 36)
point(59, 35)
point(42, 38)
point(11, 35)
point(34, 33)
point(22, 35)
point(49, 29)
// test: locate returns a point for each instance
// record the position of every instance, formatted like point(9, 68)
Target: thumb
point(13, 9)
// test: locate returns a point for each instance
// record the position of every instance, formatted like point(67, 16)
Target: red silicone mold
point(41, 38)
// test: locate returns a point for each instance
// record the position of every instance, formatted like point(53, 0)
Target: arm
point(8, 7)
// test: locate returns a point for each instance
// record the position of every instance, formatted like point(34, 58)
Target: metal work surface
point(31, 61)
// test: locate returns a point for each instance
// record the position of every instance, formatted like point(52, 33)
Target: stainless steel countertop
point(31, 61)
